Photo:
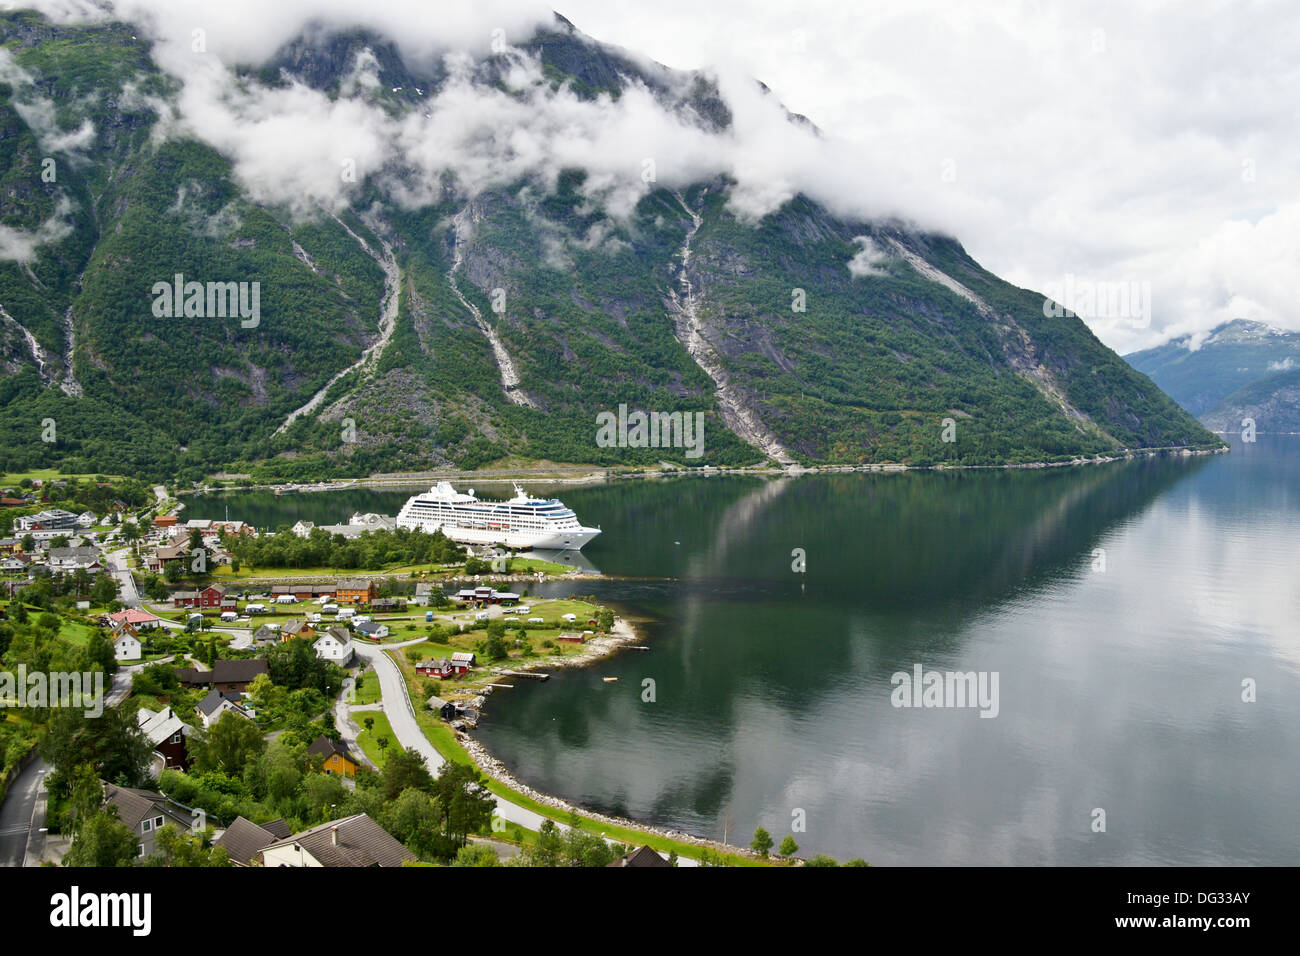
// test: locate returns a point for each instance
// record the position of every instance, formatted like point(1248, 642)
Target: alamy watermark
point(69, 689)
point(640, 429)
point(1099, 299)
point(179, 299)
point(950, 689)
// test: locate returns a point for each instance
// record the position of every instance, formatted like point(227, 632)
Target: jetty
point(530, 675)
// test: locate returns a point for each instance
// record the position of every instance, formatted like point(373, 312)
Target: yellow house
point(338, 759)
point(298, 629)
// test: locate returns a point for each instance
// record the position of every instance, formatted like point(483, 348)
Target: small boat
point(609, 679)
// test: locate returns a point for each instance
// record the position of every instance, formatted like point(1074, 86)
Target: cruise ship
point(523, 522)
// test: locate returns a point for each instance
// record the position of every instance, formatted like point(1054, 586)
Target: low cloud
point(19, 245)
point(869, 260)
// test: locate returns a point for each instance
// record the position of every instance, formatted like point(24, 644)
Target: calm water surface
point(1119, 689)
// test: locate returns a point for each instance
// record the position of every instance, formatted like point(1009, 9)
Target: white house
point(213, 707)
point(303, 528)
point(334, 644)
point(70, 559)
point(87, 519)
point(126, 647)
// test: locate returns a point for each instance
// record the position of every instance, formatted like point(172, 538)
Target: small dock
point(530, 675)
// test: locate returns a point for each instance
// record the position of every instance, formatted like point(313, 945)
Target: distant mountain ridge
point(1242, 369)
point(464, 330)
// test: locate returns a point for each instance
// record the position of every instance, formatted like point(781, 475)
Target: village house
point(352, 841)
point(355, 591)
point(126, 645)
point(443, 708)
point(166, 554)
point(372, 630)
point(462, 661)
point(217, 704)
point(267, 634)
point(11, 545)
point(334, 644)
point(87, 519)
point(165, 521)
point(440, 668)
point(145, 812)
point(303, 528)
point(645, 856)
point(211, 596)
point(244, 840)
point(388, 605)
point(231, 676)
point(167, 733)
point(486, 595)
point(337, 758)
point(138, 618)
point(15, 563)
point(72, 559)
point(304, 629)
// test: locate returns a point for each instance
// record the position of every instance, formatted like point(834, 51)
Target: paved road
point(127, 594)
point(401, 717)
point(16, 814)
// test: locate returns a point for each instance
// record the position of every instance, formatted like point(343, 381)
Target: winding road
point(401, 717)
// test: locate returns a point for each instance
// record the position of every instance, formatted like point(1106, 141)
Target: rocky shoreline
point(600, 476)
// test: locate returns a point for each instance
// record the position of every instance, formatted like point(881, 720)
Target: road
point(127, 593)
point(16, 814)
point(401, 717)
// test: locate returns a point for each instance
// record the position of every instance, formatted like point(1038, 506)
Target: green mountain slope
point(452, 331)
point(1232, 356)
point(1273, 402)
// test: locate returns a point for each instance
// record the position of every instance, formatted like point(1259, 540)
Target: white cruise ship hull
point(560, 540)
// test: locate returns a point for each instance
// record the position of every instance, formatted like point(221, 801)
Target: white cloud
point(1052, 140)
point(869, 258)
point(20, 245)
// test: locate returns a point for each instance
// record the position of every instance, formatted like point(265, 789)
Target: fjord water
point(1119, 689)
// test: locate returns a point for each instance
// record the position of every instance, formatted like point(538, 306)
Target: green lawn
point(370, 692)
point(369, 739)
point(48, 474)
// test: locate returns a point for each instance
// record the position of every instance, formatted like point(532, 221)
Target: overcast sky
point(1111, 142)
point(1148, 146)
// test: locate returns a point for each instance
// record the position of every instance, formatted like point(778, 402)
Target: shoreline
point(588, 476)
point(598, 649)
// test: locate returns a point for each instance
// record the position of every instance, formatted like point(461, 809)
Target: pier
point(530, 675)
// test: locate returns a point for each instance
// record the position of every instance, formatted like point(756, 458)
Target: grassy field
point(370, 692)
point(369, 739)
point(48, 474)
point(224, 574)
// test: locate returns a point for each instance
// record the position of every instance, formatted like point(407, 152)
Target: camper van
point(255, 609)
point(330, 609)
point(570, 617)
point(481, 616)
point(286, 599)
point(347, 612)
point(228, 616)
point(524, 609)
point(536, 620)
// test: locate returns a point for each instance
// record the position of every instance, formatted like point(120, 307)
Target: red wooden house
point(210, 596)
